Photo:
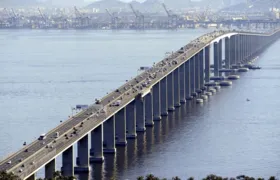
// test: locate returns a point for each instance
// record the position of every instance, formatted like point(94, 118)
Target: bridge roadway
point(38, 154)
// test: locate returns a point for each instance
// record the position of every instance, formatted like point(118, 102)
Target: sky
point(120, 0)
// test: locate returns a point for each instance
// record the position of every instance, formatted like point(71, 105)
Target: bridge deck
point(38, 155)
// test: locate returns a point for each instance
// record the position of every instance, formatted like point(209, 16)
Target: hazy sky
point(120, 0)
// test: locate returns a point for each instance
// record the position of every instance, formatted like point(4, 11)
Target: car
point(26, 150)
point(9, 162)
point(20, 170)
point(56, 134)
point(20, 160)
point(42, 137)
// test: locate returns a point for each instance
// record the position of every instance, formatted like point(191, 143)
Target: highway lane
point(129, 89)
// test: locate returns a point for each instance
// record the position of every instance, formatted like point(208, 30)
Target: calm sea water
point(45, 73)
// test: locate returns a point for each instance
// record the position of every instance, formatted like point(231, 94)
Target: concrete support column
point(170, 91)
point(216, 59)
point(192, 76)
point(197, 73)
point(32, 177)
point(50, 169)
point(140, 114)
point(67, 168)
point(238, 52)
point(131, 120)
point(254, 45)
point(156, 102)
point(96, 150)
point(187, 81)
point(177, 88)
point(241, 47)
point(236, 49)
point(149, 110)
point(201, 69)
point(249, 46)
point(227, 53)
point(246, 47)
point(207, 63)
point(182, 83)
point(233, 50)
point(83, 155)
point(220, 56)
point(120, 123)
point(163, 97)
point(109, 136)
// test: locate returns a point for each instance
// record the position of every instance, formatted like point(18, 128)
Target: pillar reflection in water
point(157, 130)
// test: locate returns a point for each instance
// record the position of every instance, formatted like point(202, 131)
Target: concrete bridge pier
point(192, 76)
point(220, 56)
point(249, 46)
point(216, 59)
point(32, 177)
point(140, 114)
point(67, 168)
point(197, 73)
point(242, 49)
point(182, 83)
point(163, 97)
point(237, 49)
point(131, 121)
point(187, 81)
point(96, 150)
point(120, 124)
point(227, 54)
point(149, 110)
point(170, 91)
point(156, 102)
point(207, 63)
point(248, 56)
point(109, 136)
point(82, 160)
point(177, 88)
point(254, 46)
point(50, 169)
point(201, 70)
point(232, 51)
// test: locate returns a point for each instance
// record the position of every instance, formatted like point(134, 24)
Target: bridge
point(185, 75)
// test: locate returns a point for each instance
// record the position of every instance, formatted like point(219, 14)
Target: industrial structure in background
point(137, 16)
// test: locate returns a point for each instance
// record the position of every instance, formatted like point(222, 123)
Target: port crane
point(81, 21)
point(172, 18)
point(114, 20)
point(10, 18)
point(139, 19)
point(44, 18)
point(15, 18)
